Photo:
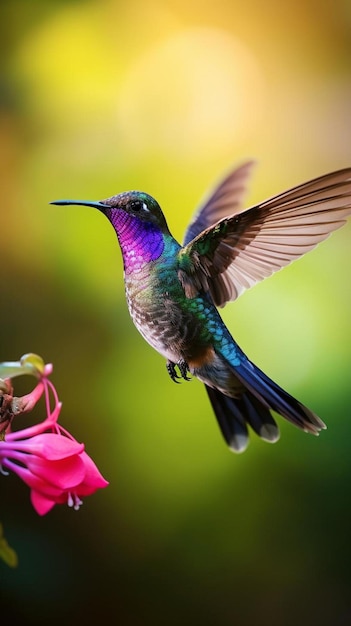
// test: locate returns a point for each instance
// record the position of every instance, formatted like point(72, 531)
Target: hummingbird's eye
point(137, 206)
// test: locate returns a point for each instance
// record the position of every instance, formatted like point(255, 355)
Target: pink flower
point(47, 458)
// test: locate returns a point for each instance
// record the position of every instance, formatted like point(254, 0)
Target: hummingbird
point(174, 291)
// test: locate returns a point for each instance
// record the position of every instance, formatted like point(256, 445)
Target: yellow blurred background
point(102, 96)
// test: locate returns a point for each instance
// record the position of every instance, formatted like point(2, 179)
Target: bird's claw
point(172, 371)
point(183, 369)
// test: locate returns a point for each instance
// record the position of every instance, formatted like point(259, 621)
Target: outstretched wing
point(241, 250)
point(225, 200)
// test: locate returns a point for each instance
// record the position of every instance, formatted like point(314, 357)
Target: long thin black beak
point(95, 204)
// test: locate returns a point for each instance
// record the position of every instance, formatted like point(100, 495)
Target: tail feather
point(273, 396)
point(260, 418)
point(260, 395)
point(230, 419)
point(233, 415)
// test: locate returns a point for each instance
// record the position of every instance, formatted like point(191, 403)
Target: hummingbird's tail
point(234, 414)
point(260, 395)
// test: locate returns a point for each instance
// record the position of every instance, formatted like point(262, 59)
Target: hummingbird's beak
point(95, 204)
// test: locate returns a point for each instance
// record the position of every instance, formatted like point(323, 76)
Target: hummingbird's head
point(138, 222)
point(135, 204)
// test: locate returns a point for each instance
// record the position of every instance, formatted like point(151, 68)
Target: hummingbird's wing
point(241, 250)
point(226, 199)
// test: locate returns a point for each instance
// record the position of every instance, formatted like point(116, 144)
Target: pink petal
point(41, 503)
point(63, 474)
point(93, 480)
point(33, 481)
point(51, 446)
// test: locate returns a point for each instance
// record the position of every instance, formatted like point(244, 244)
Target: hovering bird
point(173, 291)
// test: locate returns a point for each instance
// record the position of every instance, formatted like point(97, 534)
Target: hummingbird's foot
point(183, 369)
point(172, 371)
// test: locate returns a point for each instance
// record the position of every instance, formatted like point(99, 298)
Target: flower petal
point(50, 446)
point(33, 481)
point(93, 479)
point(63, 474)
point(41, 503)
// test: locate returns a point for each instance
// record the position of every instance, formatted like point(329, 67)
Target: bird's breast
point(172, 324)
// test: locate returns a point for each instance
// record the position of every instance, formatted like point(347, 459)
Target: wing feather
point(226, 199)
point(238, 251)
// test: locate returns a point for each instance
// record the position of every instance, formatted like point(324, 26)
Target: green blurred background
point(103, 96)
